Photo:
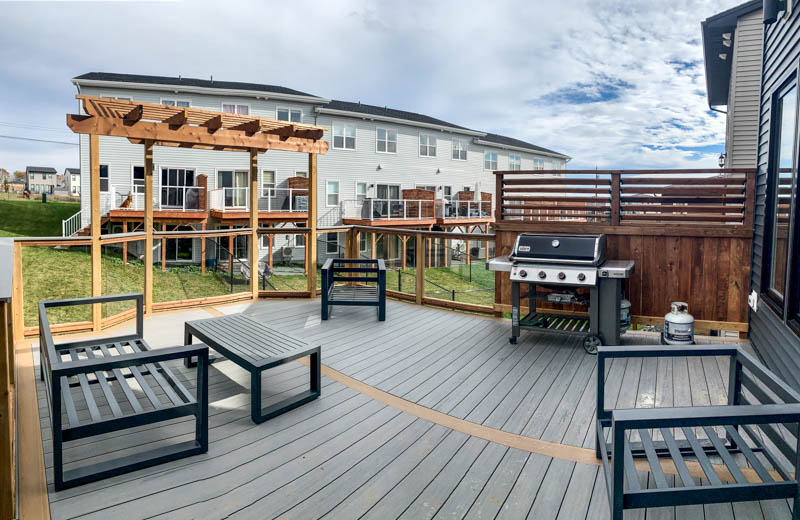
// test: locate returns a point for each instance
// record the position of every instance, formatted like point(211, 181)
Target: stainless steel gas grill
point(564, 263)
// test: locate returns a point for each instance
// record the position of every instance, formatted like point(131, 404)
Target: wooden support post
point(148, 227)
point(7, 463)
point(403, 257)
point(97, 275)
point(271, 238)
point(125, 244)
point(254, 222)
point(429, 253)
point(615, 199)
point(164, 249)
point(498, 197)
point(203, 250)
point(420, 289)
point(311, 240)
point(466, 245)
point(374, 239)
point(230, 249)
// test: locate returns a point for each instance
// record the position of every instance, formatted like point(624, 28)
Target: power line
point(37, 140)
point(33, 127)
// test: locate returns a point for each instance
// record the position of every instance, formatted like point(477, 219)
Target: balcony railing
point(464, 209)
point(165, 198)
point(292, 200)
point(388, 209)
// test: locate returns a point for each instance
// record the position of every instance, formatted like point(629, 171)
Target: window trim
point(161, 101)
point(328, 243)
point(290, 113)
point(781, 308)
point(108, 178)
point(496, 160)
point(366, 189)
point(237, 104)
point(452, 149)
point(274, 183)
point(386, 129)
point(344, 137)
point(338, 193)
point(428, 146)
point(519, 157)
point(133, 167)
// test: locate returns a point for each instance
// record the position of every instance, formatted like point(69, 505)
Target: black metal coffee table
point(256, 348)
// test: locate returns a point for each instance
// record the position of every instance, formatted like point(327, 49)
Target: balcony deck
point(429, 414)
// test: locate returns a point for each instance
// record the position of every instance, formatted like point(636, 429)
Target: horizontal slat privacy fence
point(689, 232)
point(626, 197)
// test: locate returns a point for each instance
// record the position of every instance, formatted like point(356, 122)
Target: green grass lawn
point(31, 218)
point(50, 273)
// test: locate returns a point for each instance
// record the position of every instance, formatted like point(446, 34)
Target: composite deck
point(347, 455)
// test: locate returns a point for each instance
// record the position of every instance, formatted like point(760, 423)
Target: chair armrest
point(657, 351)
point(86, 366)
point(643, 418)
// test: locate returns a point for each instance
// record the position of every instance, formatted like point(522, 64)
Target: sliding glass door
point(234, 186)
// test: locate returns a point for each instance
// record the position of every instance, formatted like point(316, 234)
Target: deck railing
point(292, 200)
point(631, 197)
point(464, 209)
point(71, 225)
point(165, 198)
point(389, 209)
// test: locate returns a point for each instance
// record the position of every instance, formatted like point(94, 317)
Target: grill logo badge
point(555, 243)
point(524, 249)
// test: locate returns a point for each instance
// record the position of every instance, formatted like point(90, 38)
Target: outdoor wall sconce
point(721, 160)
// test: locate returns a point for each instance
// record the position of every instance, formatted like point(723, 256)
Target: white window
point(427, 145)
point(332, 192)
point(301, 174)
point(137, 179)
point(538, 164)
point(361, 191)
point(459, 149)
point(489, 160)
point(104, 177)
point(233, 108)
point(448, 192)
point(344, 136)
point(362, 239)
point(387, 191)
point(386, 140)
point(467, 188)
point(514, 162)
point(184, 103)
point(76, 189)
point(267, 183)
point(121, 98)
point(426, 188)
point(300, 240)
point(290, 114)
point(332, 243)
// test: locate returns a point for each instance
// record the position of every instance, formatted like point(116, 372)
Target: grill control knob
point(542, 275)
point(561, 276)
point(581, 277)
point(523, 273)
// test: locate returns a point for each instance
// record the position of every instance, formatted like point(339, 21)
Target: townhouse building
point(41, 179)
point(384, 167)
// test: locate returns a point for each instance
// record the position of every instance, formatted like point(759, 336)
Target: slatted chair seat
point(743, 451)
point(355, 273)
point(111, 384)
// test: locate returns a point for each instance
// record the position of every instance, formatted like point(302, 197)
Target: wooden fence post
point(420, 254)
point(498, 197)
point(7, 465)
point(254, 222)
point(94, 184)
point(311, 242)
point(615, 192)
point(148, 227)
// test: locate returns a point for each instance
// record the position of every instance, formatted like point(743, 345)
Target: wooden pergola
point(152, 125)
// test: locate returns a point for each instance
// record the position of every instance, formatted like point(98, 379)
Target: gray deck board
point(345, 455)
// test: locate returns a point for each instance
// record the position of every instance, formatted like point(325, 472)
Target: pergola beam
point(191, 135)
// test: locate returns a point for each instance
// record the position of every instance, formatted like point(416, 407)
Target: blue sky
point(614, 84)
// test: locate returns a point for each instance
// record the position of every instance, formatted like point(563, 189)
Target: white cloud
point(495, 66)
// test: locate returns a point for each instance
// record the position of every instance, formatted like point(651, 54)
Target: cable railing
point(464, 209)
point(292, 200)
point(389, 209)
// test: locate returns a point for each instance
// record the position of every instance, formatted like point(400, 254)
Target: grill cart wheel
point(590, 344)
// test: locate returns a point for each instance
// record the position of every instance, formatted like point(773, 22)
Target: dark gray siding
point(775, 342)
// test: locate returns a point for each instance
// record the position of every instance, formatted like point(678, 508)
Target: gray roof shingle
point(40, 169)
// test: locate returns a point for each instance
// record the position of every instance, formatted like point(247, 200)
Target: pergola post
point(404, 239)
point(94, 180)
point(125, 243)
point(373, 245)
point(148, 227)
point(311, 243)
point(203, 250)
point(254, 222)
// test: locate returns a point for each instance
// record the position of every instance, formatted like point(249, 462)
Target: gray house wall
point(778, 345)
point(743, 97)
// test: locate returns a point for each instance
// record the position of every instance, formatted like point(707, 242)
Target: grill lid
point(566, 249)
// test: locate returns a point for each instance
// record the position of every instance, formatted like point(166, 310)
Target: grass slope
point(31, 218)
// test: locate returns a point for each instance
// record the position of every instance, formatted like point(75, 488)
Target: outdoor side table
point(256, 348)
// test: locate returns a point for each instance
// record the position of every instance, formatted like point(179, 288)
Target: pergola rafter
point(193, 127)
point(153, 125)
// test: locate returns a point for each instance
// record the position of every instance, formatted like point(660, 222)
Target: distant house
point(14, 186)
point(72, 176)
point(732, 46)
point(41, 179)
